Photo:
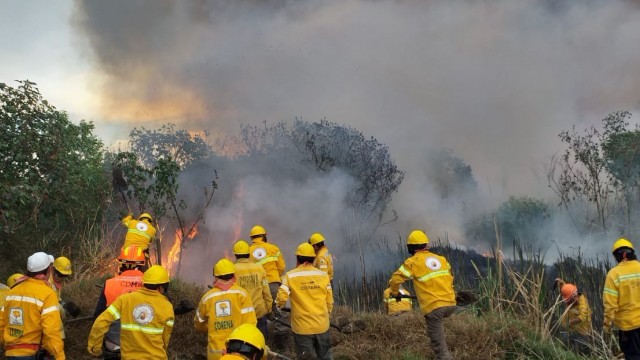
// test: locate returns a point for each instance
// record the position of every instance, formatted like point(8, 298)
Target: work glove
point(71, 308)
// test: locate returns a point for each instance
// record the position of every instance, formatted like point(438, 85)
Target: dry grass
point(469, 336)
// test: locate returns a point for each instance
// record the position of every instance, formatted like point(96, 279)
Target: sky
point(495, 81)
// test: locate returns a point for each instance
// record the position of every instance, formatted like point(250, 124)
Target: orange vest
point(128, 281)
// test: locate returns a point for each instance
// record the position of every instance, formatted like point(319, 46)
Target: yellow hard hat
point(63, 265)
point(257, 231)
point(13, 279)
point(241, 248)
point(621, 243)
point(223, 267)
point(305, 249)
point(417, 237)
point(249, 334)
point(316, 238)
point(155, 275)
point(145, 216)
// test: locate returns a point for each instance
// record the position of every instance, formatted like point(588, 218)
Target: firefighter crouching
point(309, 290)
point(30, 321)
point(146, 320)
point(246, 342)
point(433, 283)
point(222, 309)
point(621, 299)
point(253, 278)
point(576, 319)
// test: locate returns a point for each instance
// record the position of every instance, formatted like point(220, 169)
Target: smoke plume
point(495, 81)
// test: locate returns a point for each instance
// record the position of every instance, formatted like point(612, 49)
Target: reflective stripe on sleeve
point(610, 292)
point(432, 275)
point(246, 310)
point(405, 272)
point(114, 312)
point(143, 329)
point(170, 323)
point(200, 319)
point(285, 288)
point(50, 309)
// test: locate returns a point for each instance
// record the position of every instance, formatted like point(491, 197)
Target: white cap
point(39, 261)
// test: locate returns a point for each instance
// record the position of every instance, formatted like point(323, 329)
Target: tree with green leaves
point(52, 178)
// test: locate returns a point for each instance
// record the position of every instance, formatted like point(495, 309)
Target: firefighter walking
point(30, 321)
point(309, 290)
point(223, 308)
point(621, 299)
point(146, 320)
point(433, 284)
point(253, 278)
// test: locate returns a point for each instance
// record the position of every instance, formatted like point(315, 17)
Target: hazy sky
point(495, 81)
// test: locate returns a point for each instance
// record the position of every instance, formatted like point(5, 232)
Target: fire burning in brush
point(173, 258)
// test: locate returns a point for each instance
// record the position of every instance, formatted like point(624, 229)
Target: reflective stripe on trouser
point(308, 345)
point(435, 330)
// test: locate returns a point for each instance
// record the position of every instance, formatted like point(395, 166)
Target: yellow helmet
point(622, 242)
point(316, 238)
point(11, 281)
point(257, 231)
point(155, 275)
point(241, 248)
point(305, 249)
point(247, 333)
point(223, 267)
point(417, 237)
point(63, 265)
point(145, 216)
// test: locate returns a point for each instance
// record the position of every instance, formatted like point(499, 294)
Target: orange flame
point(174, 253)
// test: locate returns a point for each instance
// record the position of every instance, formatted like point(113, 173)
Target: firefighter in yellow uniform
point(309, 290)
point(11, 282)
point(394, 307)
point(433, 283)
point(324, 260)
point(30, 321)
point(253, 278)
point(146, 320)
point(621, 299)
point(576, 319)
point(15, 279)
point(268, 255)
point(140, 232)
point(246, 342)
point(223, 308)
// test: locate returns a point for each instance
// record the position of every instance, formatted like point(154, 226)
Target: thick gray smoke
point(495, 81)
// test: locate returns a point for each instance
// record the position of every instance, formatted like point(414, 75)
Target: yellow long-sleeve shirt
point(221, 311)
point(578, 310)
point(253, 278)
point(146, 322)
point(139, 232)
point(31, 317)
point(311, 299)
point(432, 280)
point(621, 297)
point(269, 257)
point(324, 261)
